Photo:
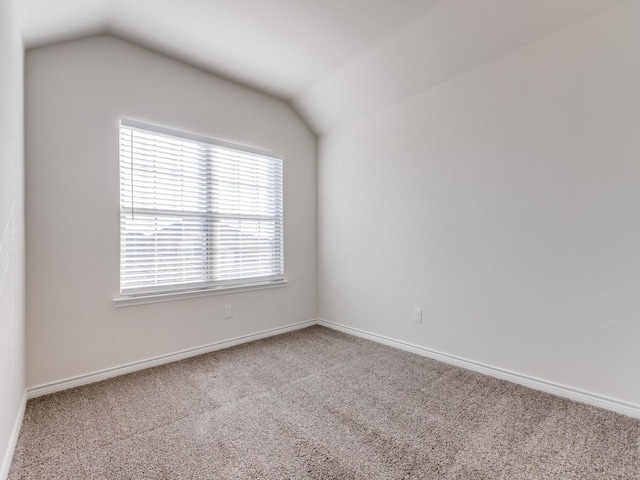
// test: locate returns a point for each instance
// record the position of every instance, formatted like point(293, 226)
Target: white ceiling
point(279, 46)
point(334, 60)
point(451, 38)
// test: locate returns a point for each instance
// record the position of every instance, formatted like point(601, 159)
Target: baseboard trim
point(560, 390)
point(98, 376)
point(13, 439)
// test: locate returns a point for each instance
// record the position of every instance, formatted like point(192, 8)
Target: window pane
point(161, 250)
point(247, 249)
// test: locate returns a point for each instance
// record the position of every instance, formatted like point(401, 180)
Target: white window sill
point(128, 301)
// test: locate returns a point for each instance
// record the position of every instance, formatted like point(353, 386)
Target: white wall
point(506, 203)
point(75, 94)
point(11, 227)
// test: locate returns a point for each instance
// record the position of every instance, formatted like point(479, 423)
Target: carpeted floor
point(319, 404)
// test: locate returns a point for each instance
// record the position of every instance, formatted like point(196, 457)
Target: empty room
point(320, 239)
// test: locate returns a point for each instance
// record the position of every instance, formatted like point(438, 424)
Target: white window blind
point(196, 214)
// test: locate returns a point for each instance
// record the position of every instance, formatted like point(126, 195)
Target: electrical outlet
point(417, 315)
point(227, 311)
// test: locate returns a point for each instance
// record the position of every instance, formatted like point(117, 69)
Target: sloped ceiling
point(453, 37)
point(334, 60)
point(278, 46)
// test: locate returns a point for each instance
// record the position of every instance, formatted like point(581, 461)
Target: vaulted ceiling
point(334, 60)
point(280, 46)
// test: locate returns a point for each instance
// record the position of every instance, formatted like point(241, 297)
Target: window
point(195, 214)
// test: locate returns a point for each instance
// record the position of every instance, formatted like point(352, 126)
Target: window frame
point(175, 292)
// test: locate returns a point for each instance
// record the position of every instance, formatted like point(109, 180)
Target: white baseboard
point(13, 439)
point(560, 390)
point(564, 391)
point(100, 375)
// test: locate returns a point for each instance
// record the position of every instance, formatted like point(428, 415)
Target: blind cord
point(131, 153)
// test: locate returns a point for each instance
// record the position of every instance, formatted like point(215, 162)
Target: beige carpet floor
point(319, 404)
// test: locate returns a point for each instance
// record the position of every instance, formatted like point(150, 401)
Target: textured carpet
point(319, 404)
